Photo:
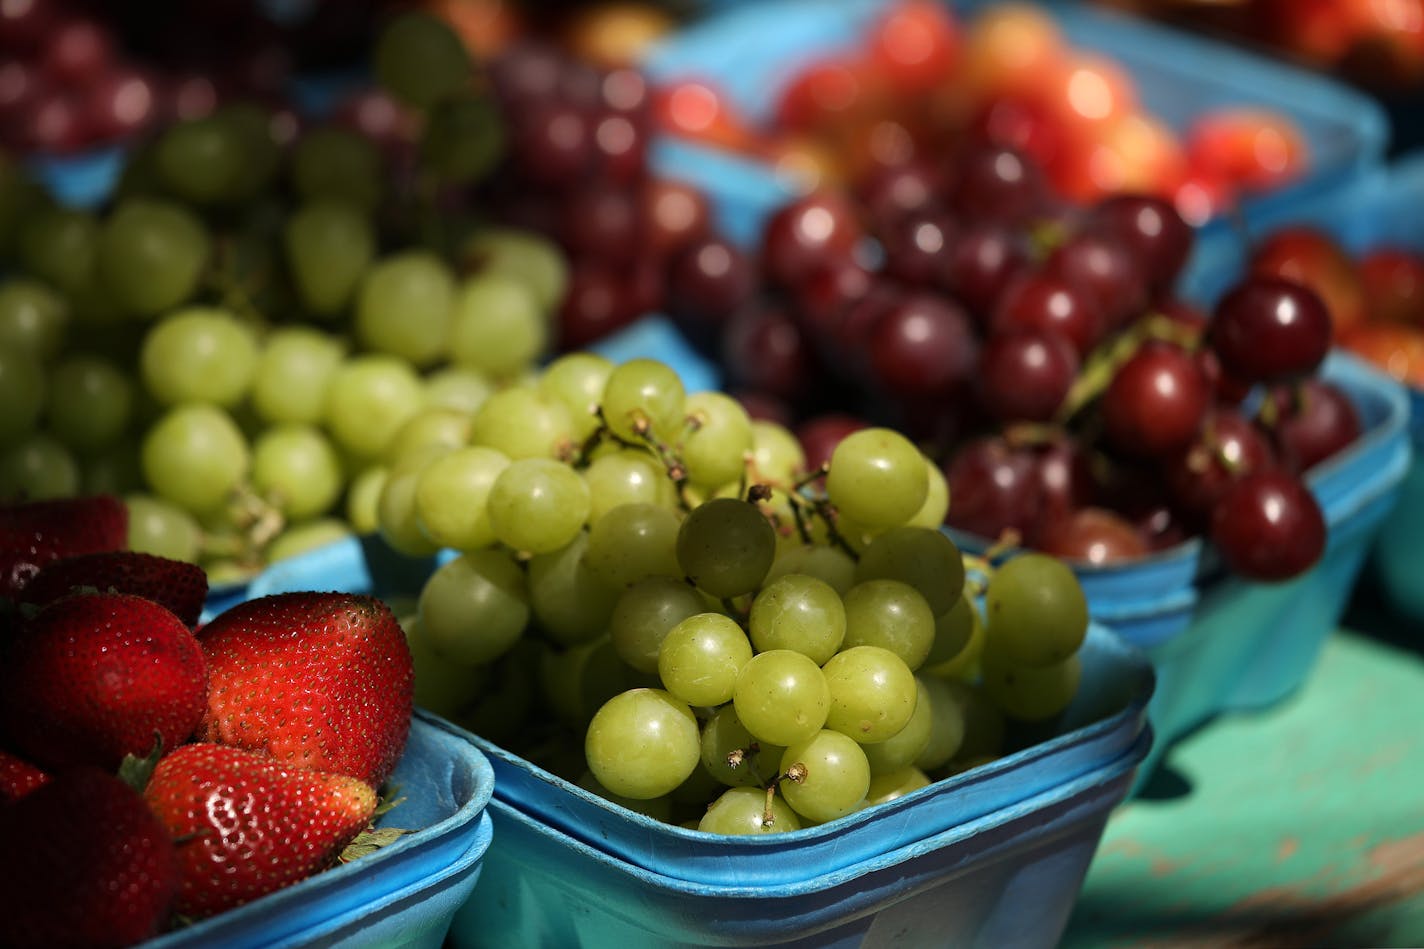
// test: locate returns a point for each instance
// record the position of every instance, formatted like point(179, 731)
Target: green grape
point(333, 162)
point(458, 388)
point(638, 540)
point(733, 756)
point(877, 478)
point(500, 714)
point(20, 198)
point(202, 161)
point(625, 476)
point(396, 515)
point(198, 355)
point(305, 537)
point(537, 505)
point(743, 811)
point(496, 327)
point(475, 607)
point(329, 245)
point(577, 380)
point(420, 60)
point(195, 456)
point(894, 784)
point(726, 547)
point(529, 257)
point(800, 613)
point(60, 246)
point(450, 495)
point(463, 138)
point(294, 368)
point(441, 686)
point(437, 427)
point(33, 318)
point(1035, 611)
point(38, 467)
point(363, 499)
point(151, 255)
point(954, 628)
point(891, 615)
point(776, 454)
point(1030, 693)
point(162, 528)
point(700, 658)
point(577, 681)
point(262, 154)
point(658, 808)
point(716, 440)
point(296, 468)
point(643, 395)
point(936, 507)
point(698, 791)
point(523, 423)
point(368, 398)
point(782, 697)
point(642, 743)
point(923, 557)
point(827, 776)
point(946, 723)
point(569, 600)
point(906, 745)
point(113, 470)
point(405, 306)
point(645, 613)
point(830, 565)
point(226, 572)
point(91, 402)
point(22, 394)
point(984, 724)
point(872, 693)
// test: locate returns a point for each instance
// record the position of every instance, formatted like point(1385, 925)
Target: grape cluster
point(652, 594)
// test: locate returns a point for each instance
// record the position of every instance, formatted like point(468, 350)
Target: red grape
point(1151, 229)
point(1093, 535)
point(1039, 300)
point(923, 348)
point(1314, 420)
point(1267, 329)
point(1024, 375)
point(1156, 401)
point(1268, 526)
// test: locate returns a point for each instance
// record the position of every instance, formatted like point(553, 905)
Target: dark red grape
point(1314, 420)
point(378, 116)
point(1065, 477)
point(1267, 329)
point(620, 147)
point(595, 304)
point(1228, 447)
point(806, 231)
point(1024, 375)
point(673, 214)
point(119, 104)
point(893, 193)
point(552, 145)
point(1151, 229)
point(1106, 271)
point(624, 91)
point(526, 74)
point(708, 281)
point(77, 51)
point(997, 184)
point(600, 221)
point(24, 24)
point(763, 348)
point(1092, 535)
point(1268, 526)
point(982, 262)
point(1156, 401)
point(1042, 301)
point(1020, 123)
point(765, 406)
point(826, 294)
point(917, 246)
point(993, 487)
point(55, 124)
point(923, 347)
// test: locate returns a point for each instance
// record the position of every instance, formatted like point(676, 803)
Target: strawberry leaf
point(389, 799)
point(135, 771)
point(370, 840)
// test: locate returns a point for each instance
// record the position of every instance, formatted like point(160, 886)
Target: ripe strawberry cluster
point(154, 770)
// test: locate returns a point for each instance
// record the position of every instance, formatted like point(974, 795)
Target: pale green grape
point(577, 681)
point(368, 398)
point(420, 60)
point(891, 615)
point(984, 724)
point(828, 776)
point(33, 318)
point(441, 686)
point(782, 697)
point(296, 468)
point(733, 756)
point(644, 614)
point(907, 745)
point(59, 246)
point(475, 607)
point(801, 613)
point(38, 467)
point(458, 388)
point(405, 306)
point(450, 495)
point(91, 402)
point(333, 162)
point(877, 477)
point(625, 476)
point(946, 723)
point(496, 327)
point(953, 630)
point(396, 515)
point(162, 528)
point(363, 499)
point(894, 784)
point(658, 808)
point(1031, 693)
point(742, 811)
point(440, 427)
point(537, 505)
point(306, 536)
point(1035, 612)
point(527, 256)
point(198, 355)
point(202, 160)
point(262, 156)
point(726, 547)
point(830, 565)
point(293, 370)
point(923, 557)
point(776, 454)
point(636, 541)
point(716, 440)
point(643, 395)
point(932, 513)
point(522, 422)
point(872, 693)
point(642, 743)
point(577, 380)
point(700, 658)
point(329, 244)
point(964, 664)
point(22, 394)
point(572, 604)
point(151, 255)
point(195, 456)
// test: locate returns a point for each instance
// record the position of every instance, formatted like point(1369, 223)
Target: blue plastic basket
point(403, 895)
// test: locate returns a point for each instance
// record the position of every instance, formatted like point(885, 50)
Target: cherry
point(1396, 348)
point(1024, 375)
point(915, 45)
point(1314, 420)
point(1156, 401)
point(1267, 329)
point(1021, 123)
point(1268, 526)
point(1253, 149)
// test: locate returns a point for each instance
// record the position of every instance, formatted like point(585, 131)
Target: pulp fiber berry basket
point(1382, 209)
point(752, 50)
point(403, 896)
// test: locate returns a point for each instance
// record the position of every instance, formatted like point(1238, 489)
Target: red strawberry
point(87, 865)
point(32, 533)
point(18, 777)
point(91, 678)
point(320, 680)
point(248, 824)
point(178, 585)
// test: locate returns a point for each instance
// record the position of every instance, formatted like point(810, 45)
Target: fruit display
point(193, 769)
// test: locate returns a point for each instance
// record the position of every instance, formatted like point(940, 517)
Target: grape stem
point(1103, 362)
point(767, 818)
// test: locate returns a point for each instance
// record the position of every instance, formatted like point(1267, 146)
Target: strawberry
point(87, 865)
point(18, 777)
point(93, 677)
point(33, 533)
point(321, 680)
point(248, 824)
point(177, 584)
